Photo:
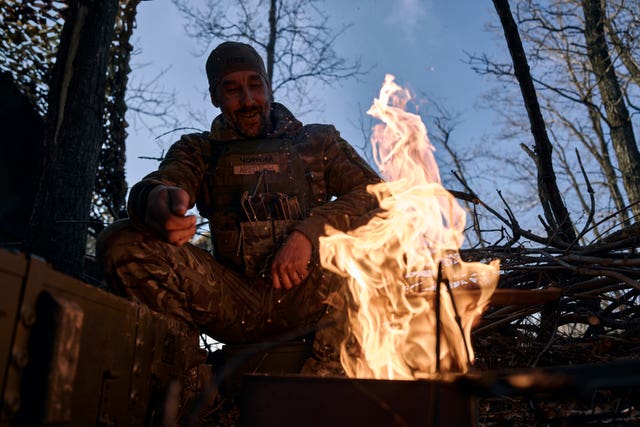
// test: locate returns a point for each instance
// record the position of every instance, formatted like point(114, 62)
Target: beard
point(252, 122)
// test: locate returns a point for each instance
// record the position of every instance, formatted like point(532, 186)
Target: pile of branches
point(577, 304)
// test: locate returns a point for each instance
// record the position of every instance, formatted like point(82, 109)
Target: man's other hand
point(166, 214)
point(290, 266)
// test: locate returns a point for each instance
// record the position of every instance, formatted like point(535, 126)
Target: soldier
point(268, 186)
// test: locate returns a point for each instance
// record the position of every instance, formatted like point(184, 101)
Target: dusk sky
point(421, 42)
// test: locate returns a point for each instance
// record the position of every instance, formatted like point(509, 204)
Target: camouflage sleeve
point(184, 166)
point(346, 177)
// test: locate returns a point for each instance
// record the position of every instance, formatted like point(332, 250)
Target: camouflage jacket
point(337, 175)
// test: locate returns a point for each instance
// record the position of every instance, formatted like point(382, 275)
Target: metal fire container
point(295, 400)
point(233, 361)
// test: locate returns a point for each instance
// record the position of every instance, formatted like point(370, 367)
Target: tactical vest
point(258, 191)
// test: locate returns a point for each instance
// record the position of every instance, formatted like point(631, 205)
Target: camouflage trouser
point(188, 283)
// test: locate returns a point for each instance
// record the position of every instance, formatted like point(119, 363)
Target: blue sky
point(421, 42)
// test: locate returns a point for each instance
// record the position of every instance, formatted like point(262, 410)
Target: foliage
point(29, 37)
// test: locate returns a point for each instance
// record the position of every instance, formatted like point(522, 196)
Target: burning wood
point(405, 323)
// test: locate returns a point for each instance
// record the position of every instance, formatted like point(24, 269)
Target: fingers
point(287, 277)
point(179, 230)
point(178, 200)
point(176, 230)
point(290, 264)
point(165, 215)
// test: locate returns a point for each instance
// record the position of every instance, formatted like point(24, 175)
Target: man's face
point(243, 97)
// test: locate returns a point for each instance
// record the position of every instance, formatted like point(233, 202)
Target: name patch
point(250, 164)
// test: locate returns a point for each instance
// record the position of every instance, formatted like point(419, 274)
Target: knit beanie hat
point(233, 56)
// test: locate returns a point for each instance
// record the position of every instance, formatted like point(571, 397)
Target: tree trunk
point(273, 33)
point(604, 160)
point(621, 128)
point(556, 213)
point(58, 228)
point(111, 185)
point(624, 52)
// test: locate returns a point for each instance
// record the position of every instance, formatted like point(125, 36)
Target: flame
point(393, 263)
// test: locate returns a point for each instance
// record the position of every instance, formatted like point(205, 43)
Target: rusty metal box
point(296, 400)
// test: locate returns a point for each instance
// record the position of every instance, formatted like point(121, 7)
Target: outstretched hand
point(166, 215)
point(290, 266)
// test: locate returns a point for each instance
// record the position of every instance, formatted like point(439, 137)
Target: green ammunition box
point(75, 355)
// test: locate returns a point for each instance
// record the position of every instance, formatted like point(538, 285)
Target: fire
point(404, 257)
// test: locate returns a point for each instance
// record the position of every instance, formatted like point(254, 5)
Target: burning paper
point(393, 263)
